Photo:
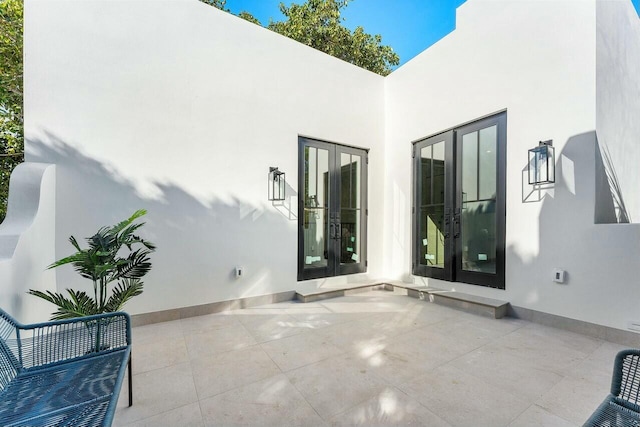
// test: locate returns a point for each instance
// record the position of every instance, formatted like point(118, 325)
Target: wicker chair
point(63, 373)
point(622, 405)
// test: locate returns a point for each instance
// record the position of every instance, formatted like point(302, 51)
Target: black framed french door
point(433, 206)
point(460, 204)
point(332, 209)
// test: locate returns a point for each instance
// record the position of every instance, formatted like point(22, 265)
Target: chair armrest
point(52, 342)
point(625, 383)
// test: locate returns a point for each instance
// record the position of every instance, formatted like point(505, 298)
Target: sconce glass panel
point(277, 184)
point(542, 165)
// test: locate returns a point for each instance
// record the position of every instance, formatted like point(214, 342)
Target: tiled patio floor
point(369, 359)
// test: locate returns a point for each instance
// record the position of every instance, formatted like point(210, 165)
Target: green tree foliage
point(249, 17)
point(222, 5)
point(219, 4)
point(104, 264)
point(318, 23)
point(11, 119)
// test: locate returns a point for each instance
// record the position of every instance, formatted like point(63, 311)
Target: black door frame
point(419, 269)
point(453, 270)
point(334, 228)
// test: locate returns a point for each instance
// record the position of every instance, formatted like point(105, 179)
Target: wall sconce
point(277, 183)
point(542, 163)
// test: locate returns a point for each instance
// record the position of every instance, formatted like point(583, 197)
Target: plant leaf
point(123, 292)
point(80, 304)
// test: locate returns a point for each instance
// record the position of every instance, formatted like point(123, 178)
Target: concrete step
point(488, 307)
point(339, 291)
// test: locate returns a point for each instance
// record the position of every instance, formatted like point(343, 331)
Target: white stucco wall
point(618, 97)
point(27, 238)
point(179, 108)
point(537, 60)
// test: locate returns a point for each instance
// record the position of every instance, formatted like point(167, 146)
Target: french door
point(459, 204)
point(332, 212)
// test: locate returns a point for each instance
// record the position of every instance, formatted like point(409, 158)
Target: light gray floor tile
point(535, 416)
point(322, 319)
point(299, 350)
point(289, 305)
point(270, 402)
point(546, 348)
point(156, 331)
point(575, 398)
point(158, 391)
point(214, 341)
point(361, 335)
point(464, 400)
point(364, 359)
point(390, 407)
point(222, 372)
point(426, 313)
point(150, 355)
point(474, 332)
point(442, 345)
point(398, 361)
point(392, 324)
point(520, 377)
point(602, 359)
point(195, 324)
point(269, 328)
point(336, 384)
point(185, 416)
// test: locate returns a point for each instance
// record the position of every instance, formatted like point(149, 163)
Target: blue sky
point(409, 26)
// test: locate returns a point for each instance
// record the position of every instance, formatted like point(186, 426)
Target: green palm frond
point(138, 265)
point(123, 292)
point(78, 305)
point(123, 224)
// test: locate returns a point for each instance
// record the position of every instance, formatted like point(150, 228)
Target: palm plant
point(103, 264)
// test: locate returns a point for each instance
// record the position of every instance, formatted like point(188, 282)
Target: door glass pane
point(479, 236)
point(315, 241)
point(310, 174)
point(355, 186)
point(345, 180)
point(316, 197)
point(431, 212)
point(478, 218)
point(426, 154)
point(350, 236)
point(349, 209)
point(323, 178)
point(432, 236)
point(470, 167)
point(438, 173)
point(487, 154)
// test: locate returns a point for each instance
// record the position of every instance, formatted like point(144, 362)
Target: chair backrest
point(9, 364)
point(625, 385)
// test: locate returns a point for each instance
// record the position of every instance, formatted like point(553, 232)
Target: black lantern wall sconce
point(277, 181)
point(542, 164)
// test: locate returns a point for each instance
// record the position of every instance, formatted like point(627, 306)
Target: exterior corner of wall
point(35, 245)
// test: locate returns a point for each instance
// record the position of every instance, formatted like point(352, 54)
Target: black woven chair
point(621, 408)
point(64, 373)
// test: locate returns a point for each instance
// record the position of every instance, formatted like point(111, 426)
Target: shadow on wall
point(610, 205)
point(199, 244)
point(592, 255)
point(287, 207)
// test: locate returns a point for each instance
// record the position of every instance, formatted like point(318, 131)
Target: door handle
point(456, 224)
point(338, 231)
point(447, 224)
point(332, 230)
